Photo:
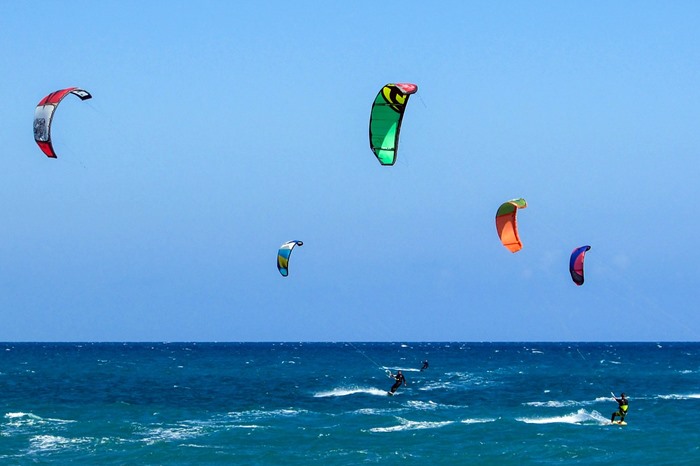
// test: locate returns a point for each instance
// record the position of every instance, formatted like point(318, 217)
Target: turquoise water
point(326, 403)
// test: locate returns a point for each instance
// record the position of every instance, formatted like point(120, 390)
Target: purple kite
point(576, 264)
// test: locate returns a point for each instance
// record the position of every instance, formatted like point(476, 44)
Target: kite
point(44, 114)
point(283, 256)
point(385, 120)
point(507, 227)
point(576, 264)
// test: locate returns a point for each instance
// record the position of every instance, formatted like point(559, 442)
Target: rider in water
point(400, 379)
point(425, 365)
point(622, 408)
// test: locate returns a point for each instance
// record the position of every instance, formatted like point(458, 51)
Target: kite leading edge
point(43, 115)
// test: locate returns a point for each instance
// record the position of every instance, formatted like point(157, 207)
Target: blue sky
point(219, 130)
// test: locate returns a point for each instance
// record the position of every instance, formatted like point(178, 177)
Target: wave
point(554, 404)
point(52, 442)
point(374, 411)
point(405, 424)
point(477, 421)
point(258, 414)
point(351, 391)
point(457, 380)
point(423, 405)
point(169, 434)
point(436, 386)
point(402, 369)
point(580, 417)
point(690, 396)
point(566, 403)
point(21, 419)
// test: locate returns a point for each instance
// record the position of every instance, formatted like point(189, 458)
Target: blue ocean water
point(326, 403)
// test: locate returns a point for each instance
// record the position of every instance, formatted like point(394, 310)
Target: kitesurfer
point(400, 379)
point(425, 365)
point(623, 404)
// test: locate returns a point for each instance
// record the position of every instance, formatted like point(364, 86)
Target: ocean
point(327, 403)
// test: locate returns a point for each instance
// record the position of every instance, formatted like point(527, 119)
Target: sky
point(219, 130)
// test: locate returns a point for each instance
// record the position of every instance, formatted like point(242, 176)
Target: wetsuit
point(425, 366)
point(622, 409)
point(400, 379)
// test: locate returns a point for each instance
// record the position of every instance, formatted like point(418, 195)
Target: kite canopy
point(43, 115)
point(576, 264)
point(507, 227)
point(385, 120)
point(283, 256)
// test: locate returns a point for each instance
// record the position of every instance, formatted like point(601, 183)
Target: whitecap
point(436, 386)
point(423, 405)
point(29, 419)
point(477, 421)
point(405, 424)
point(169, 434)
point(402, 369)
point(53, 442)
point(553, 403)
point(373, 411)
point(351, 391)
point(691, 396)
point(579, 417)
point(259, 415)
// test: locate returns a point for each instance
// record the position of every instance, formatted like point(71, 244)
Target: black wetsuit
point(400, 379)
point(622, 409)
point(425, 365)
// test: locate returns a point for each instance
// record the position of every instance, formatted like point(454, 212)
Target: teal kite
point(385, 120)
point(283, 256)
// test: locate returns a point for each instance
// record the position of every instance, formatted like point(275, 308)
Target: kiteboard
point(620, 423)
point(389, 393)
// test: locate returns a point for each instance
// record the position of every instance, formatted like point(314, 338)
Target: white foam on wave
point(21, 415)
point(54, 442)
point(261, 415)
point(402, 369)
point(171, 434)
point(423, 405)
point(554, 404)
point(374, 411)
point(20, 419)
point(580, 417)
point(456, 380)
point(690, 396)
point(565, 403)
point(436, 386)
point(405, 424)
point(341, 391)
point(477, 421)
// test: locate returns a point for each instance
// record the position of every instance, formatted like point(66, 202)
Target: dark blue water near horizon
point(313, 403)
